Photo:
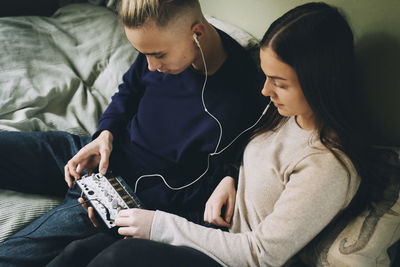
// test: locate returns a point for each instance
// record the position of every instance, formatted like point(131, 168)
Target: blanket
point(59, 72)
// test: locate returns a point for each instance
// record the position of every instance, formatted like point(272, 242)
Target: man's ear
point(199, 29)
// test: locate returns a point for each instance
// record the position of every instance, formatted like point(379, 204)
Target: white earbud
point(195, 39)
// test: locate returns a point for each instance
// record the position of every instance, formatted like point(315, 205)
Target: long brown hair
point(317, 42)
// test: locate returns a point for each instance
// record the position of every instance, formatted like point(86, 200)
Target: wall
point(376, 26)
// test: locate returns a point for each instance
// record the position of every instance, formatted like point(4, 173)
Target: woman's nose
point(267, 89)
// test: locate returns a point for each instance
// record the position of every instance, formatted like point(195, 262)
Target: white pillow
point(241, 36)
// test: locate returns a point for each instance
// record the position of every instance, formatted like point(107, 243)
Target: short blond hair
point(134, 13)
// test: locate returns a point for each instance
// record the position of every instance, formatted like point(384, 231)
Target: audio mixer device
point(107, 195)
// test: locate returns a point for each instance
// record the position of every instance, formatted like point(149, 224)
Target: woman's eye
point(280, 86)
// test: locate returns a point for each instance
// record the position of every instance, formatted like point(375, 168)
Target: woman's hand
point(94, 154)
point(132, 222)
point(223, 195)
point(135, 223)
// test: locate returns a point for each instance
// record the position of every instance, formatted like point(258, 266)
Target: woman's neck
point(306, 122)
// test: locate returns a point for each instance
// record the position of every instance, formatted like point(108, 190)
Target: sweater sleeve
point(124, 103)
point(318, 189)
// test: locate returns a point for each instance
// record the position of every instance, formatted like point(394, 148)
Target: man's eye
point(160, 56)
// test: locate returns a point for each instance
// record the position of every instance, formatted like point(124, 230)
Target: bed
point(59, 73)
point(56, 73)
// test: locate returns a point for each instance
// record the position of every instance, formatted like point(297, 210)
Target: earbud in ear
point(195, 39)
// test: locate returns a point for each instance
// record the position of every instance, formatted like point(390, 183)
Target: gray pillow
point(364, 241)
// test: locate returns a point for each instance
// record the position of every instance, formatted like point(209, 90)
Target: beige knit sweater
point(290, 188)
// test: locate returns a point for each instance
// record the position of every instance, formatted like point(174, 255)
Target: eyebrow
point(275, 77)
point(151, 53)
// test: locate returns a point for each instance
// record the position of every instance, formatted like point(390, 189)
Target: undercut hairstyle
point(135, 13)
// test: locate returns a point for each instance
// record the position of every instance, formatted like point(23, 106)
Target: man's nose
point(152, 63)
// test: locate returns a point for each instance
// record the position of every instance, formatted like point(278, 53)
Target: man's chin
point(171, 71)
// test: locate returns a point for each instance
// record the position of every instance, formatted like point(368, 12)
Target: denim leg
point(45, 238)
point(33, 162)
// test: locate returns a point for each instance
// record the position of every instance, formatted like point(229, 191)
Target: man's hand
point(90, 211)
point(135, 223)
point(94, 154)
point(223, 195)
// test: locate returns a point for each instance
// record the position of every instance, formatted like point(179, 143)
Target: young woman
point(300, 171)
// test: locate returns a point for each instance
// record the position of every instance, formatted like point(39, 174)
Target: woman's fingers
point(217, 218)
point(212, 214)
point(127, 231)
point(230, 205)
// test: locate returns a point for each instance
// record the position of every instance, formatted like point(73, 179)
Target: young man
point(191, 91)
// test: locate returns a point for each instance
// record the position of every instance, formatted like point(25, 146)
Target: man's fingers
point(67, 176)
point(79, 169)
point(70, 175)
point(90, 211)
point(103, 165)
point(70, 169)
point(92, 217)
point(83, 203)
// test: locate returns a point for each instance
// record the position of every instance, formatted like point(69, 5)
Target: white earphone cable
point(216, 152)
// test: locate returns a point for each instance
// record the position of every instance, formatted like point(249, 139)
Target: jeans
point(33, 162)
